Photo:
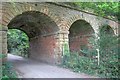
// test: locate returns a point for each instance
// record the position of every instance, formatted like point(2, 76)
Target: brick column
point(3, 42)
point(3, 46)
point(62, 45)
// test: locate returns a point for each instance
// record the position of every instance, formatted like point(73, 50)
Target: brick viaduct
point(50, 27)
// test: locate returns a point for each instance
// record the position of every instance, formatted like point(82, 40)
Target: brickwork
point(3, 43)
point(43, 48)
point(80, 33)
point(48, 27)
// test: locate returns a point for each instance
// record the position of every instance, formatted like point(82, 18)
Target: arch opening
point(80, 32)
point(18, 42)
point(40, 29)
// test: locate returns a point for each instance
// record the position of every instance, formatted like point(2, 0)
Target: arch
point(112, 24)
point(106, 29)
point(10, 11)
point(81, 16)
point(34, 23)
point(80, 32)
point(40, 26)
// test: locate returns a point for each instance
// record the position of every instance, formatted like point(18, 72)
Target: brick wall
point(78, 42)
point(42, 48)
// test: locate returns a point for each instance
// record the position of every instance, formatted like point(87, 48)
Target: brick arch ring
point(113, 25)
point(75, 18)
point(9, 12)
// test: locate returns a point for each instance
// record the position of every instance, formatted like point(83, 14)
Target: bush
point(87, 65)
point(7, 70)
point(109, 65)
point(18, 42)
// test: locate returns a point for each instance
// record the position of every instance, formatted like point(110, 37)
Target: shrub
point(109, 65)
point(6, 69)
point(18, 42)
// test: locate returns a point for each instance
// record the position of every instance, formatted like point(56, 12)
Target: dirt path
point(33, 69)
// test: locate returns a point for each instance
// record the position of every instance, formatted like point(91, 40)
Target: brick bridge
point(51, 27)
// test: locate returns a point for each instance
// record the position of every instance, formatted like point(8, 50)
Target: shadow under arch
point(35, 22)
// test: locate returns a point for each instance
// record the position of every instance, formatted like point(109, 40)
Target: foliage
point(108, 9)
point(80, 63)
point(2, 56)
point(7, 70)
point(109, 65)
point(17, 42)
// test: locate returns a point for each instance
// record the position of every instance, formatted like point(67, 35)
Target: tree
point(106, 9)
point(17, 42)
